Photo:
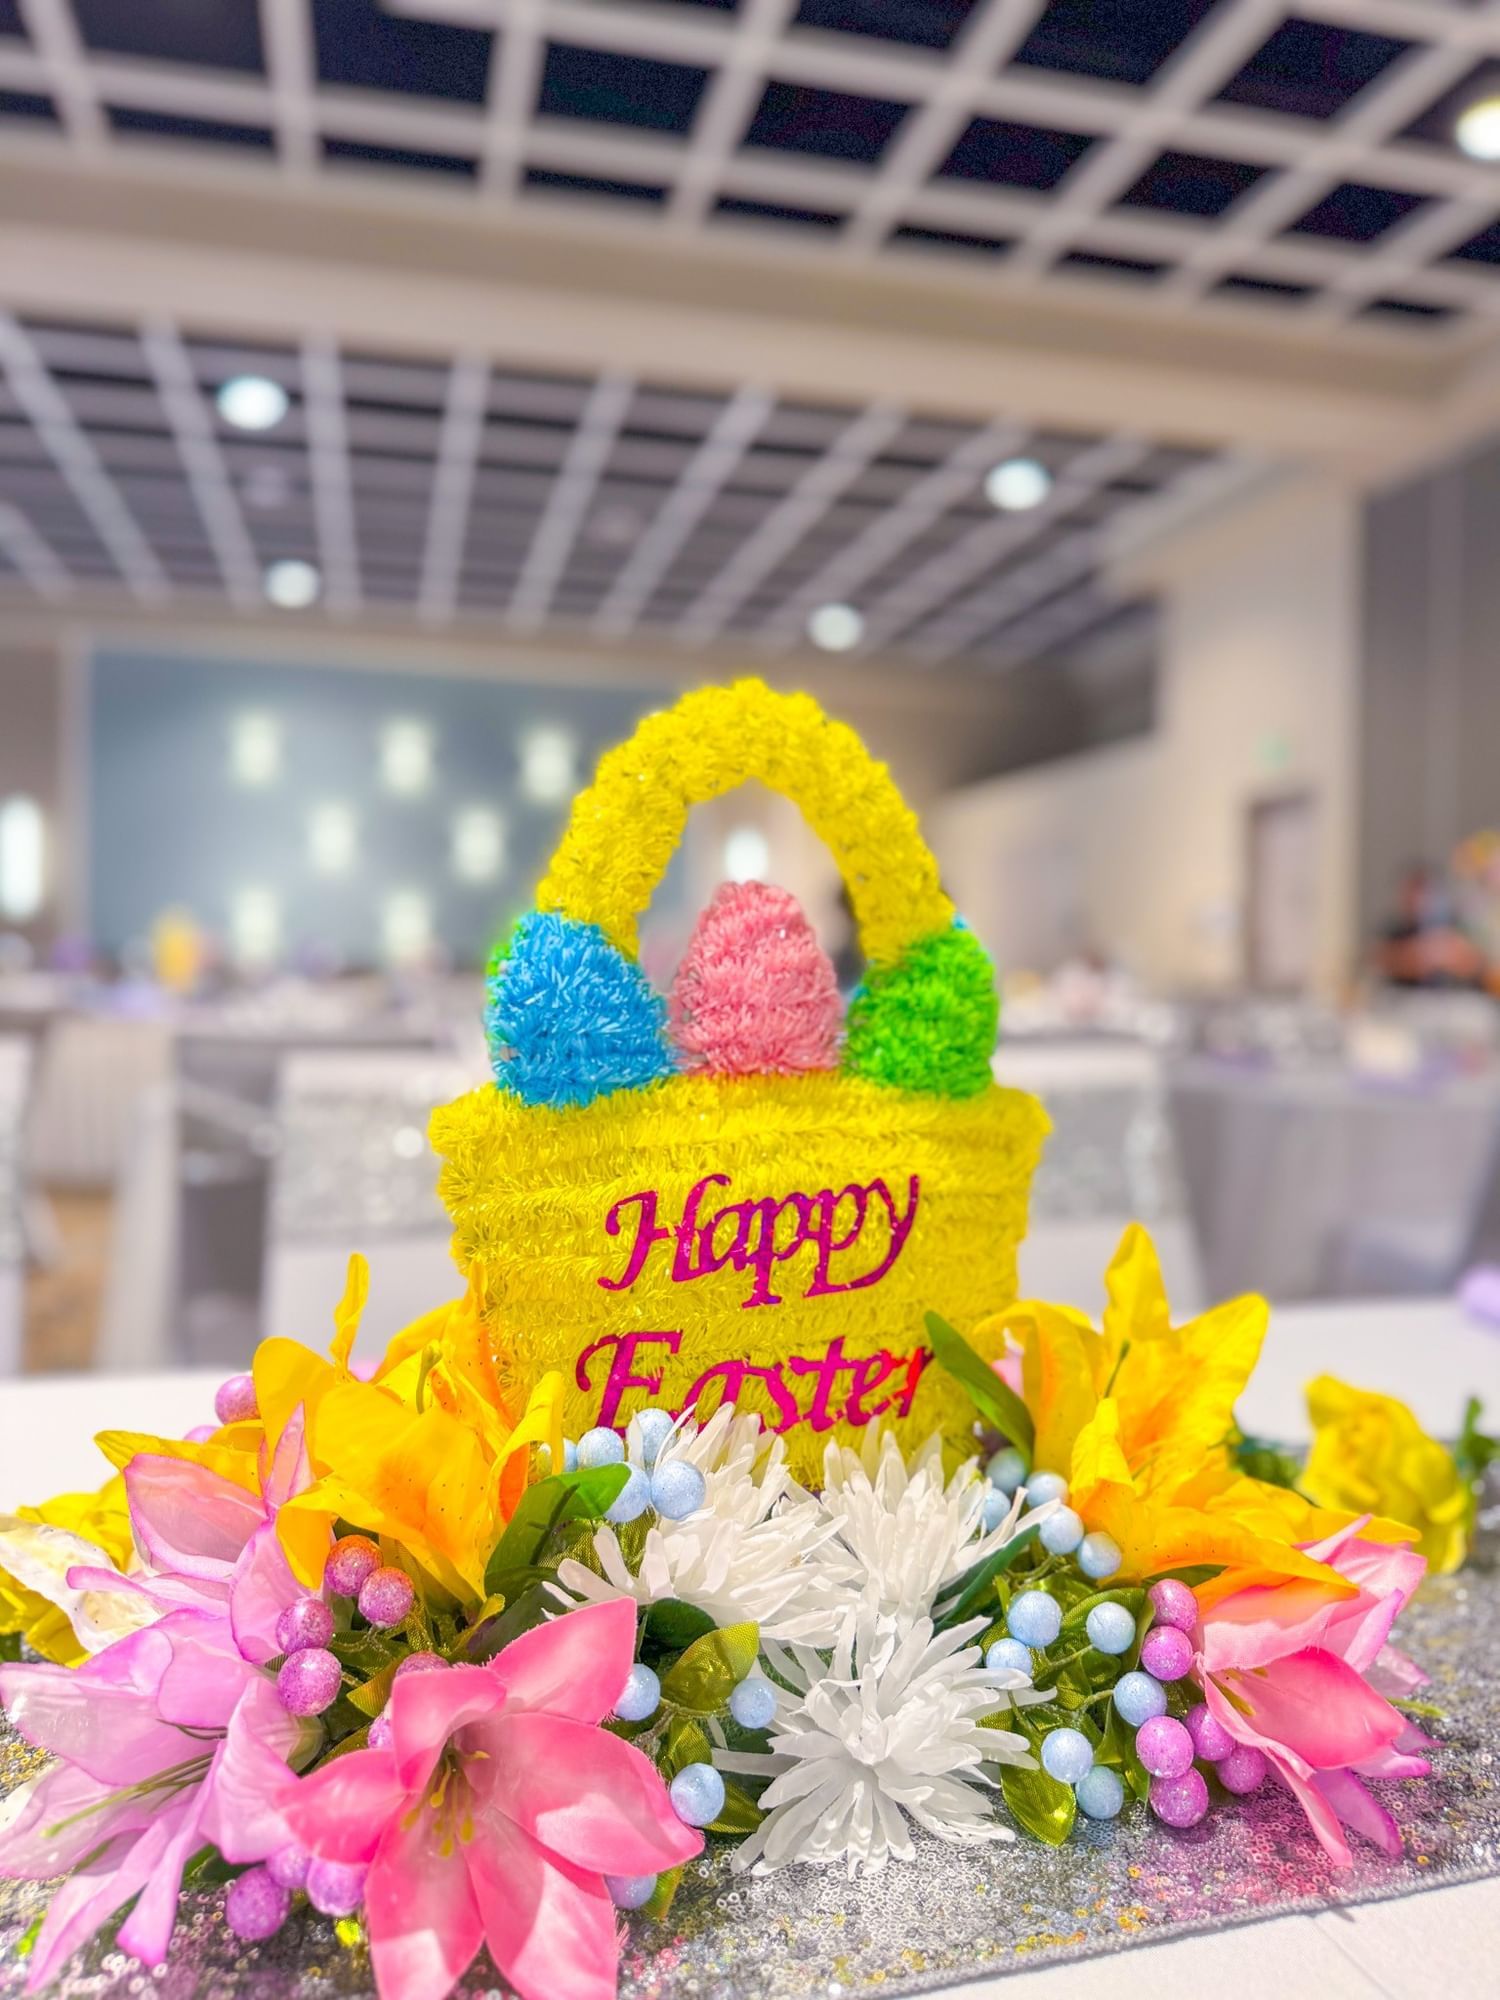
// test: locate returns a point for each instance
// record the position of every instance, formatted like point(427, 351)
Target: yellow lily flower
point(101, 1526)
point(1370, 1452)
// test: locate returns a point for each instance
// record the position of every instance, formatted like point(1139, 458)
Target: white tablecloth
point(1440, 1943)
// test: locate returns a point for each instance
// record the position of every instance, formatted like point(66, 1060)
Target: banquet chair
point(353, 1171)
point(15, 1077)
point(1109, 1160)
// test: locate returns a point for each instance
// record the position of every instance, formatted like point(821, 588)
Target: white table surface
point(1443, 1942)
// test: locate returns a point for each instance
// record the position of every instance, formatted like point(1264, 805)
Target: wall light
point(292, 585)
point(254, 750)
point(406, 756)
point(332, 838)
point(254, 927)
point(836, 628)
point(747, 855)
point(1018, 485)
point(23, 858)
point(1478, 129)
point(406, 927)
point(252, 402)
point(478, 844)
point(549, 764)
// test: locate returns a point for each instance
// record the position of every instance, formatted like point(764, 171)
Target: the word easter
point(841, 1386)
point(742, 1235)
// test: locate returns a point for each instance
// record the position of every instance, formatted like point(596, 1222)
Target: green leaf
point(1473, 1455)
point(741, 1814)
point(974, 1586)
point(1117, 1749)
point(10, 1645)
point(674, 1624)
point(1132, 1596)
point(566, 1496)
point(1259, 1459)
point(711, 1669)
point(998, 1404)
point(521, 1613)
point(686, 1742)
point(661, 1896)
point(1038, 1803)
point(371, 1698)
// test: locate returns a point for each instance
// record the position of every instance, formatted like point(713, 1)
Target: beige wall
point(1142, 847)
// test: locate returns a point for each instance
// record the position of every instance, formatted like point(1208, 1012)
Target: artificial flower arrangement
point(696, 1518)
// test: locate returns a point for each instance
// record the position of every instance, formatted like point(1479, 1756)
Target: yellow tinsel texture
point(531, 1190)
point(626, 826)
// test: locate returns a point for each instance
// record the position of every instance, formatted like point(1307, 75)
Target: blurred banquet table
point(1319, 1183)
point(1440, 1940)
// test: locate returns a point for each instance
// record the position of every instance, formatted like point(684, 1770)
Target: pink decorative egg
point(755, 994)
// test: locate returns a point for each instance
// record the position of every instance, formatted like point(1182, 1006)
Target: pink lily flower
point(168, 1740)
point(1302, 1676)
point(494, 1814)
point(209, 1544)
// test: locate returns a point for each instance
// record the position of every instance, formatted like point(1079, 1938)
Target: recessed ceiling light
point(292, 585)
point(406, 757)
point(252, 402)
point(549, 764)
point(478, 844)
point(836, 628)
point(254, 750)
point(1478, 129)
point(747, 855)
point(1018, 485)
point(332, 838)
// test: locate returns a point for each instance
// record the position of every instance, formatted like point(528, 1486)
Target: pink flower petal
point(86, 1901)
point(163, 1593)
point(147, 1931)
point(1317, 1708)
point(186, 1518)
point(1321, 1816)
point(250, 1781)
point(207, 1674)
point(1392, 1674)
point(425, 1710)
point(1359, 1810)
point(263, 1586)
point(59, 1819)
point(340, 1811)
point(289, 1472)
point(550, 1927)
point(582, 1793)
point(575, 1666)
point(420, 1911)
point(93, 1715)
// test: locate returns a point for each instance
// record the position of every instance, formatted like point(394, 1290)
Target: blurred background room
point(1096, 402)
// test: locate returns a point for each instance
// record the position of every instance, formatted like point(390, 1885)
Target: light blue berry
point(1044, 1486)
point(677, 1489)
point(1100, 1792)
point(1008, 1653)
point(569, 1455)
point(630, 1892)
point(1111, 1628)
point(1067, 1755)
point(642, 1696)
point(1006, 1470)
point(1138, 1697)
point(1099, 1556)
point(600, 1447)
point(753, 1702)
point(1061, 1532)
point(1034, 1618)
point(996, 1507)
point(632, 1500)
point(653, 1428)
point(697, 1794)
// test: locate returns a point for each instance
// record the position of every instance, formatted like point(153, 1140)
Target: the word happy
point(756, 1236)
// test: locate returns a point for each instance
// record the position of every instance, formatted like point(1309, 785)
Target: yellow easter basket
point(768, 1239)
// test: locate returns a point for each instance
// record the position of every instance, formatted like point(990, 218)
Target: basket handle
point(626, 826)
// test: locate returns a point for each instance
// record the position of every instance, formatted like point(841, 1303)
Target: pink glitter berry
point(755, 993)
point(288, 1866)
point(1243, 1770)
point(386, 1597)
point(309, 1681)
point(1180, 1802)
point(419, 1663)
point(1211, 1739)
point(379, 1734)
point(255, 1906)
point(235, 1402)
point(337, 1888)
point(1164, 1747)
point(1174, 1604)
point(351, 1559)
point(308, 1622)
point(1167, 1652)
point(200, 1433)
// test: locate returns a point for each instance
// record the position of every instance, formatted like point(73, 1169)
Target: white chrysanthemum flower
point(887, 1729)
point(758, 1549)
point(909, 1532)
